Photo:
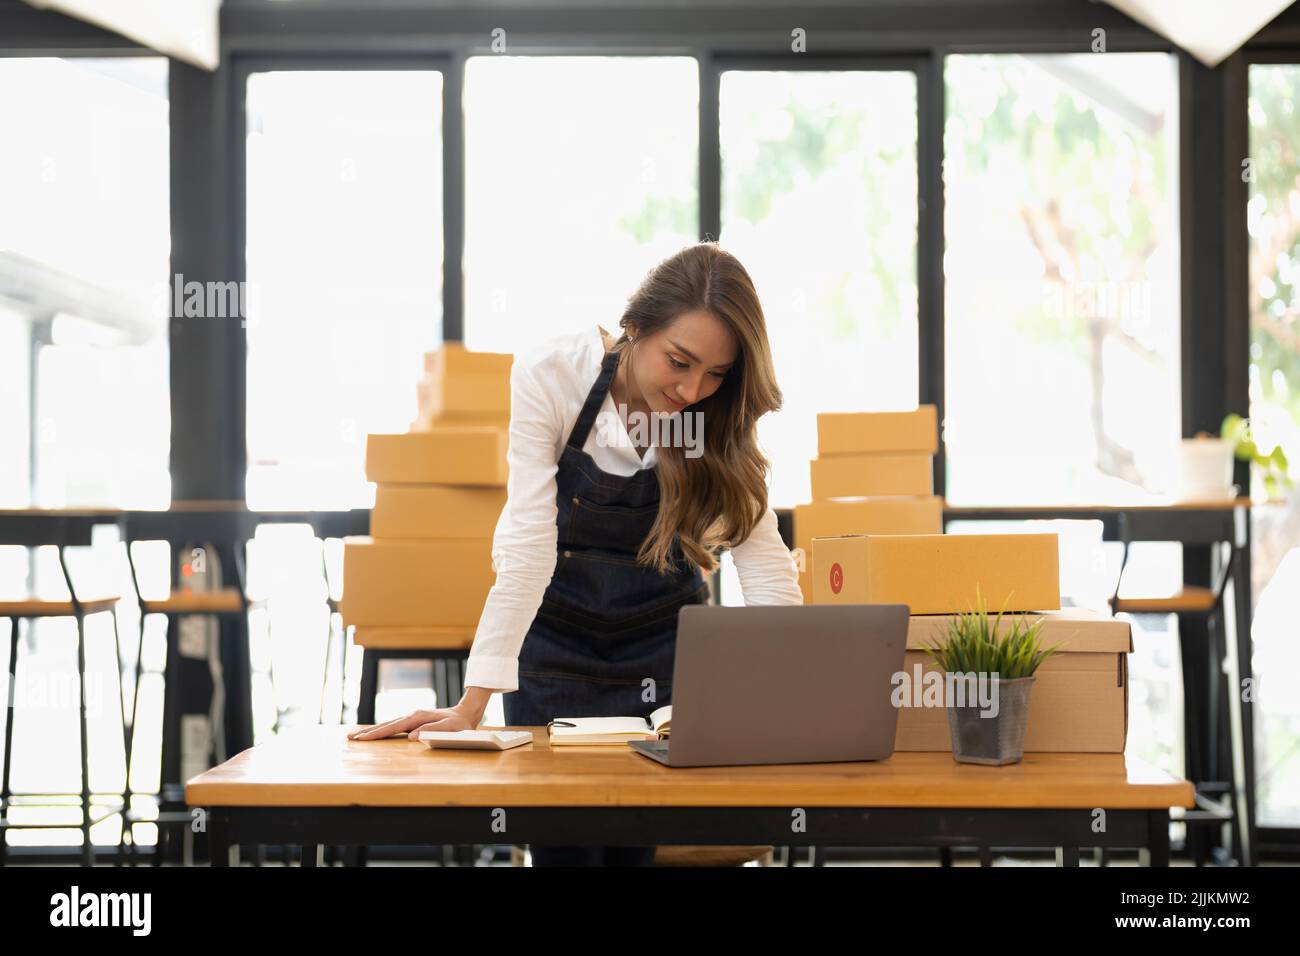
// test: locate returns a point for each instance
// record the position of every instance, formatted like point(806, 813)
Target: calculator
point(475, 739)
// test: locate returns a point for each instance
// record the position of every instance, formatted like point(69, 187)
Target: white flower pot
point(1204, 470)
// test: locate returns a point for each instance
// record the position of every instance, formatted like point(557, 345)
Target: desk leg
point(1241, 713)
point(310, 854)
point(1156, 852)
point(357, 855)
point(1196, 645)
point(219, 848)
point(1067, 856)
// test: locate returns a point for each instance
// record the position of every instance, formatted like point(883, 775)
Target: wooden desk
point(315, 787)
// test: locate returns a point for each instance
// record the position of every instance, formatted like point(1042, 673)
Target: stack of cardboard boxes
point(1080, 698)
point(873, 474)
point(422, 576)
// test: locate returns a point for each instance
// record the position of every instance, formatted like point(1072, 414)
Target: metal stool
point(224, 602)
point(1213, 796)
point(32, 610)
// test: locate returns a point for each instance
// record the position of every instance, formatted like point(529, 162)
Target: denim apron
point(605, 625)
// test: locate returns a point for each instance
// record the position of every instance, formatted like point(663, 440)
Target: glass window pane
point(344, 273)
point(1273, 218)
point(84, 247)
point(1062, 290)
point(819, 203)
point(580, 174)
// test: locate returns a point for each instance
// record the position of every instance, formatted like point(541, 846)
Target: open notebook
point(610, 730)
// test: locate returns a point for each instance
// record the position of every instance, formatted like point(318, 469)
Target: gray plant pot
point(992, 740)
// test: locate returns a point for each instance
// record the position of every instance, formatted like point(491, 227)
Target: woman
point(599, 545)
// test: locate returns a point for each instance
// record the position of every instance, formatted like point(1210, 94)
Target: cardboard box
point(846, 476)
point(898, 515)
point(1079, 701)
point(452, 358)
point(939, 573)
point(445, 455)
point(850, 433)
point(415, 583)
point(427, 422)
point(464, 399)
point(435, 511)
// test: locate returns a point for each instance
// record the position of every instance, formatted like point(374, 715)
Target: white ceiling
point(184, 29)
point(1210, 30)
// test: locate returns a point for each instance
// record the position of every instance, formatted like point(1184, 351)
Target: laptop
point(738, 671)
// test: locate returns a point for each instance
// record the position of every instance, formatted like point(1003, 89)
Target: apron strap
point(595, 399)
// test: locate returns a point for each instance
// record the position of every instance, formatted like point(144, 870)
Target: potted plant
point(988, 726)
point(1238, 433)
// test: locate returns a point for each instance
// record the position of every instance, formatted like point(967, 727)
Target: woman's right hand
point(445, 718)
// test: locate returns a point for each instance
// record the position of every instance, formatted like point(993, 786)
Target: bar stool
point(332, 605)
point(327, 526)
point(225, 602)
point(32, 610)
point(1214, 797)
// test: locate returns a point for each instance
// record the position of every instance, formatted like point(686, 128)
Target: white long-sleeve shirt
point(548, 386)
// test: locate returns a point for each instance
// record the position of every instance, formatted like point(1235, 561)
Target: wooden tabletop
point(319, 767)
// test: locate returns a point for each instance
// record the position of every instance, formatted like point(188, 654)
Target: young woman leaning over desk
point(607, 531)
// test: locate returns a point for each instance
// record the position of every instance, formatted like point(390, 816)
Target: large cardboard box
point(939, 573)
point(452, 358)
point(896, 515)
point(1079, 701)
point(435, 511)
point(851, 433)
point(845, 476)
point(445, 455)
point(415, 583)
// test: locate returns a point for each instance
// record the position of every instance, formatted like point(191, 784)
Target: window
point(581, 173)
point(819, 202)
point(1061, 271)
point(1273, 219)
point(344, 289)
point(84, 247)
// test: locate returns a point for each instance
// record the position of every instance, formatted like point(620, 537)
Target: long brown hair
point(712, 501)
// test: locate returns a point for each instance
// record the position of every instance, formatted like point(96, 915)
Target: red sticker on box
point(837, 578)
